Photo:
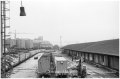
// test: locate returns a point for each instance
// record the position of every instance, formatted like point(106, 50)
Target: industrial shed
point(104, 53)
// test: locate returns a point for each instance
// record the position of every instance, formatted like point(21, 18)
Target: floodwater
point(26, 69)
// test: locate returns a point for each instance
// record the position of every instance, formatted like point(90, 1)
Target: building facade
point(28, 43)
point(20, 43)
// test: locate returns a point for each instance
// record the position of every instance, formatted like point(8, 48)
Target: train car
point(52, 66)
point(61, 66)
point(44, 65)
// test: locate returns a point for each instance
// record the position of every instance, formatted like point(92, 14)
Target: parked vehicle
point(35, 57)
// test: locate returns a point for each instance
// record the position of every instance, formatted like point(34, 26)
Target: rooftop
point(109, 47)
point(60, 59)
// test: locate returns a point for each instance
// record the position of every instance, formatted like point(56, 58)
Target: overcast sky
point(76, 21)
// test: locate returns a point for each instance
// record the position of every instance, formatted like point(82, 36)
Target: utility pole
point(15, 39)
point(4, 18)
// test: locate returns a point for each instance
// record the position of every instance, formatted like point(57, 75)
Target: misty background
point(76, 21)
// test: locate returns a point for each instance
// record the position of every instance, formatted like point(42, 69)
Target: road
point(26, 69)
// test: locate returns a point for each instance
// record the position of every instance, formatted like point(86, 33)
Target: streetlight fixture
point(22, 10)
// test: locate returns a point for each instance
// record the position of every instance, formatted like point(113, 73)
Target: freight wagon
point(61, 67)
point(49, 66)
point(44, 65)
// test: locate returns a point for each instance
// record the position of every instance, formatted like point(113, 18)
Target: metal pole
point(1, 29)
point(3, 37)
point(4, 34)
point(60, 41)
point(4, 12)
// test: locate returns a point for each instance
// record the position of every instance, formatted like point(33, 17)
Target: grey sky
point(75, 20)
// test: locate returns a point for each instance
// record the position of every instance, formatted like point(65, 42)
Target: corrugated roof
point(78, 47)
point(109, 47)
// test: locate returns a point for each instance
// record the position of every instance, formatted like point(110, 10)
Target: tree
point(56, 47)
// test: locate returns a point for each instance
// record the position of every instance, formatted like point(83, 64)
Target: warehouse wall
point(91, 57)
point(105, 60)
point(114, 62)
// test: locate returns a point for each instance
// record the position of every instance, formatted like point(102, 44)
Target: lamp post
point(22, 10)
point(60, 42)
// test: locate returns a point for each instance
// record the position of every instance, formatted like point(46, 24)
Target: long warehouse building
point(104, 53)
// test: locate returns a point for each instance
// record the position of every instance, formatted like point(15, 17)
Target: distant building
point(12, 42)
point(45, 44)
point(39, 39)
point(39, 43)
point(36, 45)
point(28, 43)
point(20, 43)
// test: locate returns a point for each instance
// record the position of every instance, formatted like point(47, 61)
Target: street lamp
point(22, 10)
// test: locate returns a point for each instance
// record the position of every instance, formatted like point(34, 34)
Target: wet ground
point(26, 69)
point(93, 71)
point(29, 67)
